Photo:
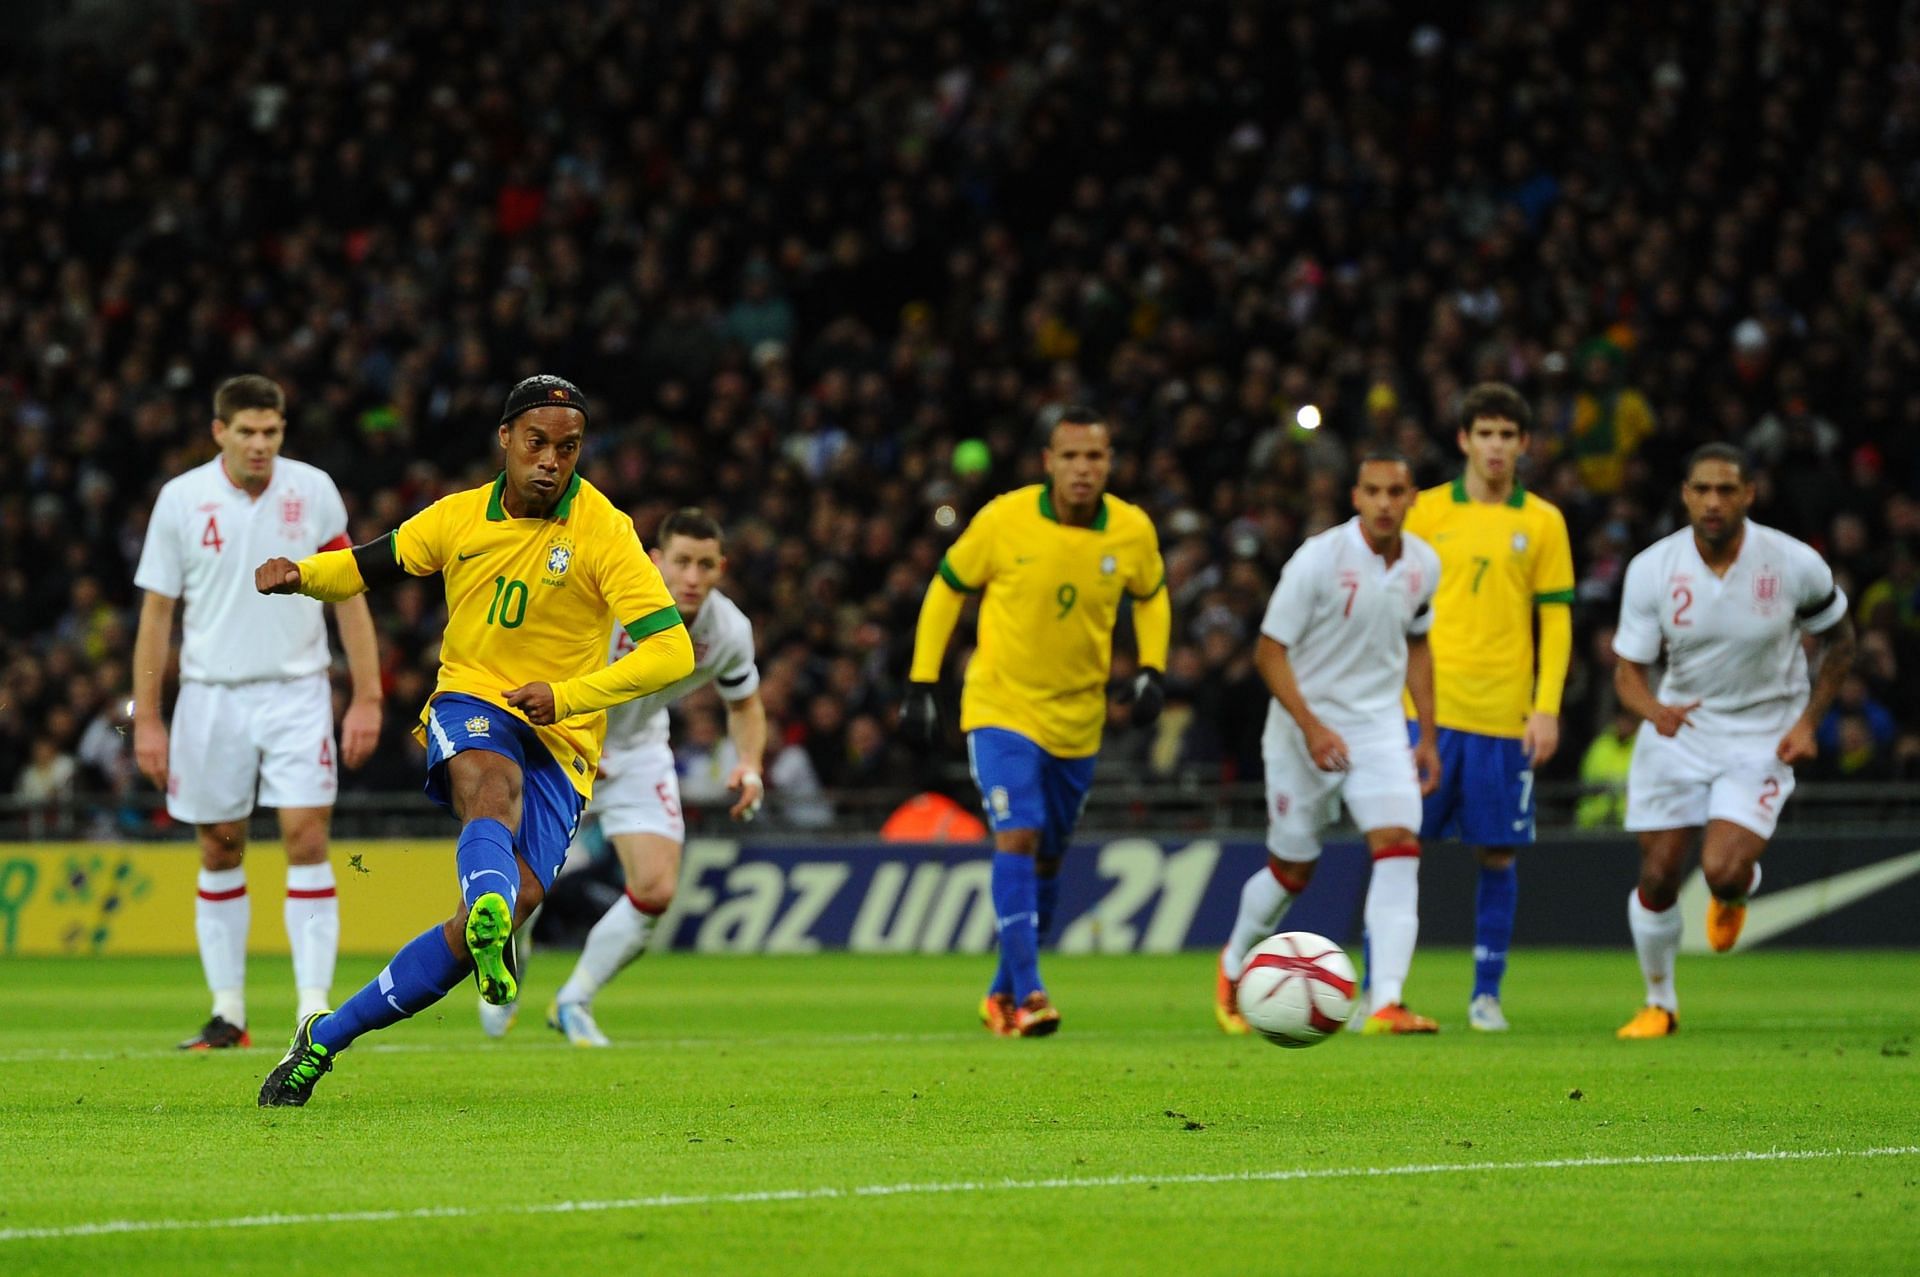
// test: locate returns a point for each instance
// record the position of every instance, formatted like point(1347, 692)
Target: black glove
point(1149, 698)
point(919, 715)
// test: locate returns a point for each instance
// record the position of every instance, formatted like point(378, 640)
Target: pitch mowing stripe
point(110, 1227)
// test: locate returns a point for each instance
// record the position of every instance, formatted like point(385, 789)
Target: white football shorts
point(1380, 787)
point(1684, 781)
point(228, 740)
point(638, 792)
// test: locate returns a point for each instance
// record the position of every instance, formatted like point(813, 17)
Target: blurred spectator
point(799, 253)
point(1856, 737)
point(1603, 772)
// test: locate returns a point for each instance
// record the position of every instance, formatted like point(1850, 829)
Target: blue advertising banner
point(1126, 895)
point(1155, 895)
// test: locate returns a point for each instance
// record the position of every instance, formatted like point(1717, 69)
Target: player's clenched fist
point(535, 700)
point(277, 576)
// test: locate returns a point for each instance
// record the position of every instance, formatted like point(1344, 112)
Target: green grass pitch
point(844, 1113)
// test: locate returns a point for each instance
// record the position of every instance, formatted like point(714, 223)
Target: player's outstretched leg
point(425, 970)
point(1393, 926)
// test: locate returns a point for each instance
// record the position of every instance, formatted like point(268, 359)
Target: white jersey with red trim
point(1344, 615)
point(722, 655)
point(1733, 641)
point(206, 536)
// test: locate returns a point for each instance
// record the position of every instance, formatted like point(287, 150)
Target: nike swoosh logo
point(1772, 913)
point(481, 873)
point(476, 554)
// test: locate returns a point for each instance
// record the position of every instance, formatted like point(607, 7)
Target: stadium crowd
point(826, 268)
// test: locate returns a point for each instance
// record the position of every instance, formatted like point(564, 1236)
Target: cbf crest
point(559, 560)
point(1109, 565)
point(478, 725)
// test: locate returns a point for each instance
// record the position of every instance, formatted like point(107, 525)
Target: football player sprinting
point(636, 799)
point(536, 565)
point(1504, 557)
point(1052, 562)
point(1344, 632)
point(1730, 602)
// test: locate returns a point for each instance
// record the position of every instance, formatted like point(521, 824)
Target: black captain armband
point(1812, 610)
point(379, 561)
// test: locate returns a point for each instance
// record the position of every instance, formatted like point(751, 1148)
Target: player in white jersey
point(1344, 632)
point(636, 798)
point(255, 711)
point(1730, 601)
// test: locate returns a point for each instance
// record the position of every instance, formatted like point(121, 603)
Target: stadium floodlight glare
point(1308, 417)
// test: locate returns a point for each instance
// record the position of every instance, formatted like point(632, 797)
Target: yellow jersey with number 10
point(1051, 596)
point(1497, 564)
point(528, 600)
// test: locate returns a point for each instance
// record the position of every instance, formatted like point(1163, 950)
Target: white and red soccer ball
point(1297, 988)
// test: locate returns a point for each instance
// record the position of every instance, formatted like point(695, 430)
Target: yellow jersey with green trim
point(1497, 564)
point(1050, 595)
point(529, 600)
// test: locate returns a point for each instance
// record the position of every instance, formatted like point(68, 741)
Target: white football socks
point(1656, 938)
point(313, 933)
point(221, 916)
point(1393, 925)
point(617, 939)
point(1263, 902)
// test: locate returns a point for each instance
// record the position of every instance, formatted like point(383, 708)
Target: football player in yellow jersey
point(1504, 557)
point(535, 564)
point(1051, 562)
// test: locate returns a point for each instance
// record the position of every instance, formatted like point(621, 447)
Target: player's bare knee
point(307, 844)
point(1659, 886)
point(1398, 841)
point(1495, 857)
point(222, 846)
point(1293, 875)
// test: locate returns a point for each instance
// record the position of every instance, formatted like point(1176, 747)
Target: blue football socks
point(1046, 896)
point(424, 971)
point(1494, 902)
point(484, 862)
point(1016, 906)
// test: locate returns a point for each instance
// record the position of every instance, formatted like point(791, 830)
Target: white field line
point(110, 1227)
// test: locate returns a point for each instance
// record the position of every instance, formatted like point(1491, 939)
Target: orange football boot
point(1036, 1017)
point(1726, 917)
point(1395, 1018)
point(1649, 1022)
point(996, 1012)
point(1226, 1002)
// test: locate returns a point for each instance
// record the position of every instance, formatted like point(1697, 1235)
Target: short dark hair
point(1719, 452)
point(1382, 453)
point(1081, 414)
point(690, 521)
point(248, 390)
point(1499, 400)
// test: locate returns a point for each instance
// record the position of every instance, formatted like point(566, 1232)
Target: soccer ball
point(1297, 988)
